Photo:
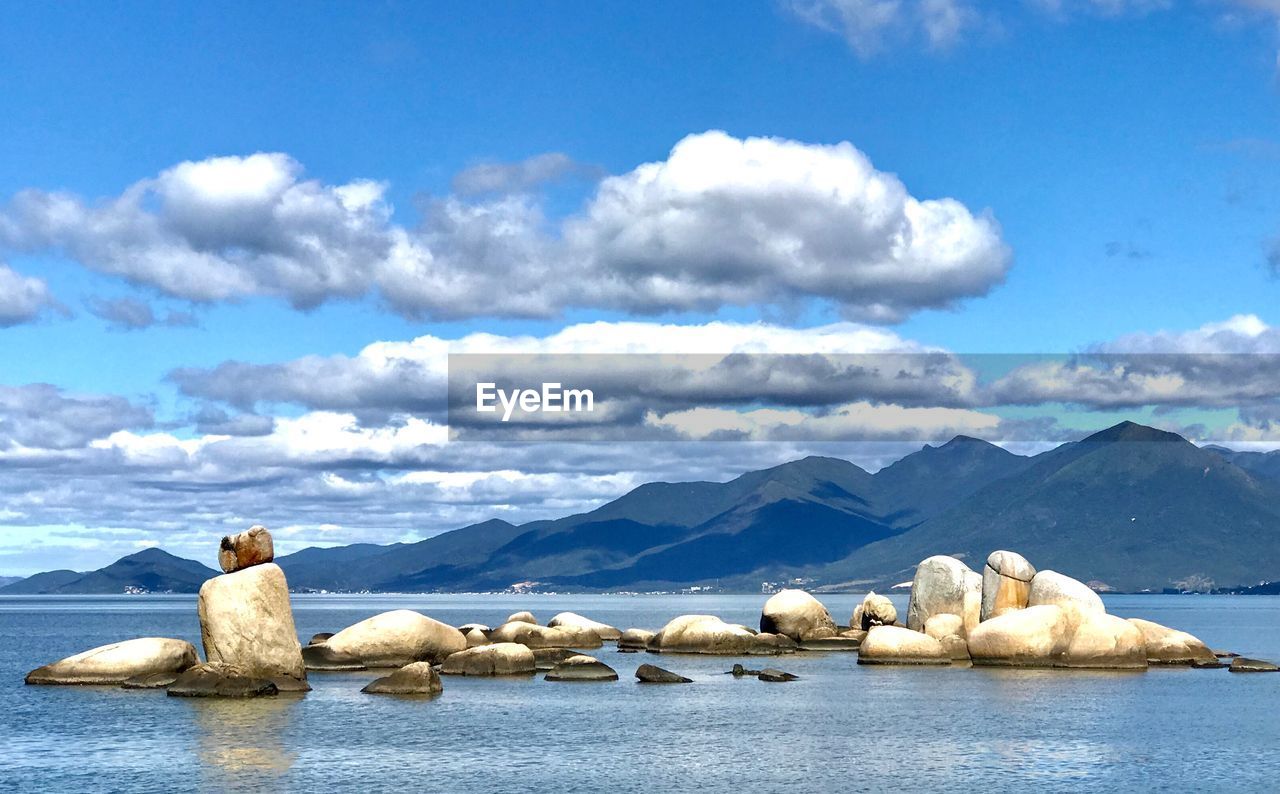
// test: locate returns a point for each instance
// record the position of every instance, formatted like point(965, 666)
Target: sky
point(239, 241)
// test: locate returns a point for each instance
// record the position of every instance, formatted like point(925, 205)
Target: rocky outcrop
point(1050, 588)
point(251, 547)
point(943, 584)
point(319, 656)
point(582, 668)
point(573, 622)
point(1164, 645)
point(502, 658)
point(398, 638)
point(1241, 664)
point(944, 625)
point(635, 640)
point(535, 636)
point(796, 614)
point(118, 662)
point(896, 645)
point(522, 617)
point(875, 610)
point(221, 681)
point(711, 635)
point(651, 674)
point(1034, 637)
point(419, 678)
point(1105, 642)
point(1006, 583)
point(475, 638)
point(246, 622)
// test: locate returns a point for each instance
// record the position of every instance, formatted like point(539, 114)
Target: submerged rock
point(419, 678)
point(582, 668)
point(738, 671)
point(1241, 664)
point(1169, 646)
point(248, 548)
point(398, 638)
point(221, 681)
point(1006, 583)
point(246, 622)
point(502, 658)
point(321, 657)
point(776, 676)
point(796, 614)
point(574, 622)
point(118, 662)
point(651, 674)
point(896, 645)
point(633, 640)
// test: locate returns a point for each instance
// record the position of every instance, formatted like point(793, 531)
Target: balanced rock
point(776, 676)
point(1106, 642)
point(703, 634)
point(651, 674)
point(246, 622)
point(1169, 646)
point(943, 584)
point(546, 658)
point(1050, 588)
point(419, 678)
point(1006, 583)
point(319, 656)
point(574, 623)
point(582, 668)
point(875, 610)
point(896, 645)
point(251, 547)
point(522, 617)
point(501, 658)
point(535, 636)
point(475, 638)
point(220, 681)
point(118, 662)
point(796, 614)
point(634, 640)
point(1033, 637)
point(398, 638)
point(1241, 664)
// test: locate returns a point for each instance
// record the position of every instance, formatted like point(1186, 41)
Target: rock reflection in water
point(239, 740)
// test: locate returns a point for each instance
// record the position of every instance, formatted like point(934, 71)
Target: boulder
point(767, 644)
point(398, 638)
point(323, 658)
point(248, 548)
point(634, 640)
point(522, 617)
point(875, 610)
point(1050, 588)
point(1105, 642)
point(582, 668)
point(940, 585)
point(546, 658)
point(854, 634)
point(316, 639)
point(150, 681)
point(739, 671)
point(775, 675)
point(703, 634)
point(1033, 637)
point(650, 674)
point(896, 645)
point(955, 647)
point(246, 622)
point(118, 662)
point(535, 636)
point(796, 614)
point(501, 658)
point(220, 681)
point(972, 613)
point(827, 644)
point(574, 622)
point(476, 638)
point(418, 678)
point(1169, 646)
point(1241, 664)
point(1006, 583)
point(944, 625)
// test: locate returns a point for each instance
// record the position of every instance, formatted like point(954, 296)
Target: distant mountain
point(1259, 464)
point(8, 580)
point(152, 569)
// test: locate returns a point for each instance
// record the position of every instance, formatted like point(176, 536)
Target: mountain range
point(1130, 508)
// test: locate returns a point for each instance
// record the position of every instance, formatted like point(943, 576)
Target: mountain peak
point(1132, 431)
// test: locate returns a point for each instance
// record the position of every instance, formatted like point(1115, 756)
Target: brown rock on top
point(251, 547)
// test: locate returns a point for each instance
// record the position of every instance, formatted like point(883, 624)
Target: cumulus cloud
point(132, 314)
point(720, 222)
point(43, 417)
point(22, 298)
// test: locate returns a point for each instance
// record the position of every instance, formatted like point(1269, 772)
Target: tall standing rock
point(1006, 583)
point(944, 585)
point(251, 547)
point(246, 622)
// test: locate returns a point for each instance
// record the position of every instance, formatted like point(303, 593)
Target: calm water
point(840, 727)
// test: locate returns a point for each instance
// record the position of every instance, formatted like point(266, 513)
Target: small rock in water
point(220, 681)
point(1244, 665)
point(248, 548)
point(582, 668)
point(651, 674)
point(419, 678)
point(546, 658)
point(739, 671)
point(777, 676)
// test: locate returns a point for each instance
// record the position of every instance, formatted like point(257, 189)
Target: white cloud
point(861, 421)
point(22, 298)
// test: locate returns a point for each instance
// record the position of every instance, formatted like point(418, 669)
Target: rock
point(323, 658)
point(316, 639)
point(940, 585)
point(649, 674)
point(854, 634)
point(246, 622)
point(796, 614)
point(118, 662)
point(150, 681)
point(827, 644)
point(739, 671)
point(476, 638)
point(1225, 654)
point(633, 640)
point(875, 610)
point(1106, 642)
point(972, 613)
point(955, 647)
point(398, 638)
point(577, 623)
point(703, 634)
point(776, 676)
point(221, 681)
point(546, 658)
point(1031, 637)
point(1170, 646)
point(1050, 588)
point(1241, 664)
point(418, 678)
point(944, 625)
point(502, 658)
point(466, 627)
point(522, 617)
point(535, 636)
point(896, 645)
point(766, 644)
point(251, 547)
point(1006, 583)
point(582, 668)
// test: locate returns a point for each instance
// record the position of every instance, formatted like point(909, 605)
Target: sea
point(839, 727)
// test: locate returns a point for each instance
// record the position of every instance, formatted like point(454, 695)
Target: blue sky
point(1128, 153)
